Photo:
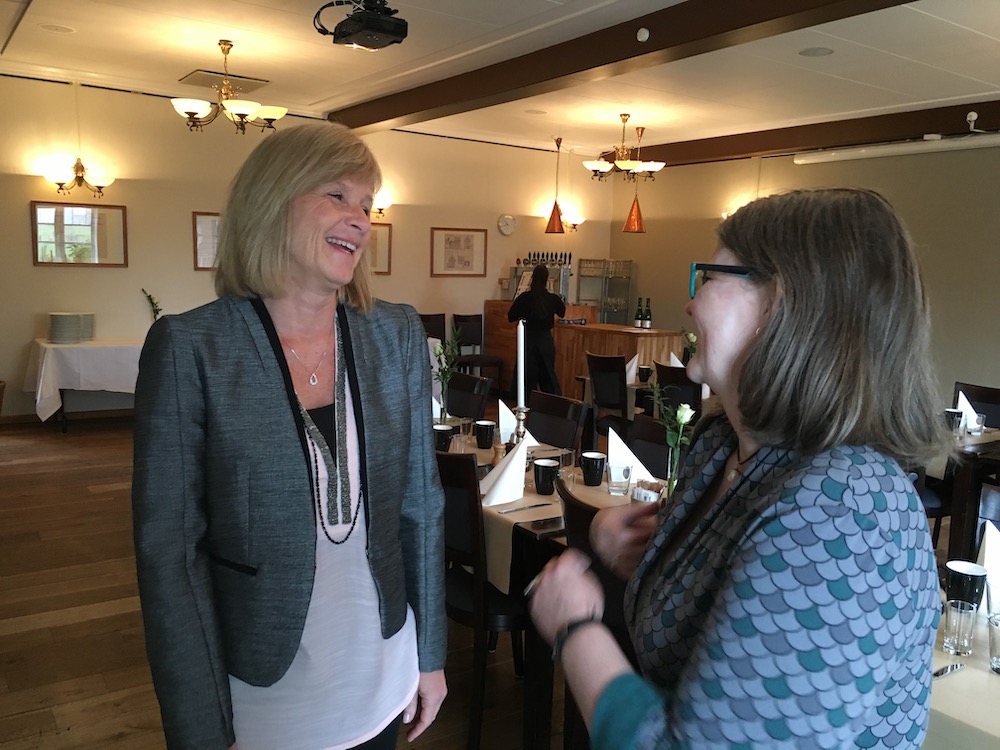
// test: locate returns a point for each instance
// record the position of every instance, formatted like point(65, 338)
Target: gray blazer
point(225, 531)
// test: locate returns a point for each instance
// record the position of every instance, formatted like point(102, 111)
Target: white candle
point(520, 364)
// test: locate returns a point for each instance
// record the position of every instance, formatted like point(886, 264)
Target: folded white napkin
point(620, 454)
point(989, 554)
point(632, 369)
point(505, 482)
point(435, 408)
point(508, 424)
point(968, 413)
point(674, 362)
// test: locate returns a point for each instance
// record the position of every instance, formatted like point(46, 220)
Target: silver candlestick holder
point(520, 414)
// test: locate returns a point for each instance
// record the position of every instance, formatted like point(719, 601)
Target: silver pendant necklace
point(740, 463)
point(313, 380)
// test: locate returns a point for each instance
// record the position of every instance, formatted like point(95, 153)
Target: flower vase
point(444, 405)
point(671, 472)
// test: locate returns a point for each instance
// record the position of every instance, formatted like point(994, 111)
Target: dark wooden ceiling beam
point(680, 31)
point(899, 126)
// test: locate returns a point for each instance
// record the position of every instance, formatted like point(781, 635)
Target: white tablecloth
point(105, 365)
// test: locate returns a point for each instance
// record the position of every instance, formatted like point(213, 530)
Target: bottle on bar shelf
point(647, 318)
point(637, 323)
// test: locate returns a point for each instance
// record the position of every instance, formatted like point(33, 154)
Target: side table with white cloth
point(100, 365)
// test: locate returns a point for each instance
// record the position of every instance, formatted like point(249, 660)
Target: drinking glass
point(567, 467)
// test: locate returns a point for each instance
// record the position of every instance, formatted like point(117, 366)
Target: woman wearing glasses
point(786, 595)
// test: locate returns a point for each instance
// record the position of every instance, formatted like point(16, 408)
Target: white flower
point(438, 351)
point(684, 414)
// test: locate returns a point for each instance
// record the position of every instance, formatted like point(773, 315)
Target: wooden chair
point(648, 442)
point(470, 329)
point(434, 325)
point(985, 400)
point(556, 420)
point(677, 388)
point(609, 393)
point(467, 395)
point(578, 517)
point(935, 505)
point(470, 599)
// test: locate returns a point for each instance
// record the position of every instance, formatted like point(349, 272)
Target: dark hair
point(845, 356)
point(253, 230)
point(538, 291)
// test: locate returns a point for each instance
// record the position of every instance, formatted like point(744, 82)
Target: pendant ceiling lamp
point(68, 177)
point(633, 222)
point(623, 162)
point(242, 112)
point(555, 225)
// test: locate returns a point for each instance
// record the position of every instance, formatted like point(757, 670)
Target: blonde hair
point(845, 356)
point(253, 249)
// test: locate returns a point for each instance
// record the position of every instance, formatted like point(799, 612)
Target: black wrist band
point(566, 631)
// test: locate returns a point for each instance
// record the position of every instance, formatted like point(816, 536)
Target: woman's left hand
point(566, 591)
point(425, 705)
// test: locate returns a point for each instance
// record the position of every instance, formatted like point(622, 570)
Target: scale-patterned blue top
point(800, 612)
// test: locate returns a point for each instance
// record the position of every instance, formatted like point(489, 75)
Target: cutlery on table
point(947, 670)
point(524, 507)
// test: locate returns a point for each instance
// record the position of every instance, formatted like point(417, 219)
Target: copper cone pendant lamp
point(633, 222)
point(555, 225)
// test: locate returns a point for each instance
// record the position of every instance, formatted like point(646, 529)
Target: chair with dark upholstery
point(985, 400)
point(467, 395)
point(677, 388)
point(935, 505)
point(470, 599)
point(578, 517)
point(470, 329)
point(609, 393)
point(556, 420)
point(648, 442)
point(434, 325)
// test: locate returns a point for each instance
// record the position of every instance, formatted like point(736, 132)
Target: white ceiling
point(924, 54)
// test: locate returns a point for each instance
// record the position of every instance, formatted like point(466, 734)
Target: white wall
point(164, 173)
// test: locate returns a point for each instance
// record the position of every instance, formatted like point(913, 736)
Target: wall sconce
point(66, 182)
point(381, 203)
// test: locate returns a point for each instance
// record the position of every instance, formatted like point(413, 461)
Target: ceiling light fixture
point(242, 112)
point(930, 143)
point(370, 26)
point(623, 162)
point(555, 225)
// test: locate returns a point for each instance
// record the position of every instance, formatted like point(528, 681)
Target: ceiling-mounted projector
point(371, 26)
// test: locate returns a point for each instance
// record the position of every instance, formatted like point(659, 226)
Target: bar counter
point(573, 341)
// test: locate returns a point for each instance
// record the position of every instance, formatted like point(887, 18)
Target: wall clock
point(506, 224)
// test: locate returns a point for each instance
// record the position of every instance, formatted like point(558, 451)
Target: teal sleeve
point(622, 711)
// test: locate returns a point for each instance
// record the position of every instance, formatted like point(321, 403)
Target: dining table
point(521, 537)
point(964, 713)
point(978, 456)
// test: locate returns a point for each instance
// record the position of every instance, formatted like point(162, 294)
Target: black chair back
point(984, 400)
point(556, 420)
point(470, 336)
point(467, 395)
point(677, 388)
point(434, 325)
point(608, 392)
point(648, 441)
point(470, 329)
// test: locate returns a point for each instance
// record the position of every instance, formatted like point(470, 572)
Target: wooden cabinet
point(573, 341)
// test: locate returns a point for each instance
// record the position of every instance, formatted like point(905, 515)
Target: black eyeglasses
point(702, 272)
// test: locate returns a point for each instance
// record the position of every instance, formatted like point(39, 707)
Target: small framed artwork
point(458, 252)
point(206, 234)
point(380, 248)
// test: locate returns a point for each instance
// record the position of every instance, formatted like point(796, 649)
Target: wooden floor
point(73, 671)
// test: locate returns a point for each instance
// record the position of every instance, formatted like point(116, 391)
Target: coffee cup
point(645, 373)
point(442, 437)
point(485, 430)
point(546, 472)
point(592, 465)
point(965, 581)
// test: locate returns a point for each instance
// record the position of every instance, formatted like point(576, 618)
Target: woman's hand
point(619, 535)
point(565, 591)
point(425, 705)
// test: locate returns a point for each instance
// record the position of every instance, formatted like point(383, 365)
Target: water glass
point(993, 623)
point(567, 470)
point(978, 425)
point(959, 623)
point(619, 476)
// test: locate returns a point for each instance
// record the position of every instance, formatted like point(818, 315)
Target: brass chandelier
point(243, 112)
point(623, 161)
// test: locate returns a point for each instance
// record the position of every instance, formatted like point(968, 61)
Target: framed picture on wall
point(458, 252)
point(206, 233)
point(380, 248)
